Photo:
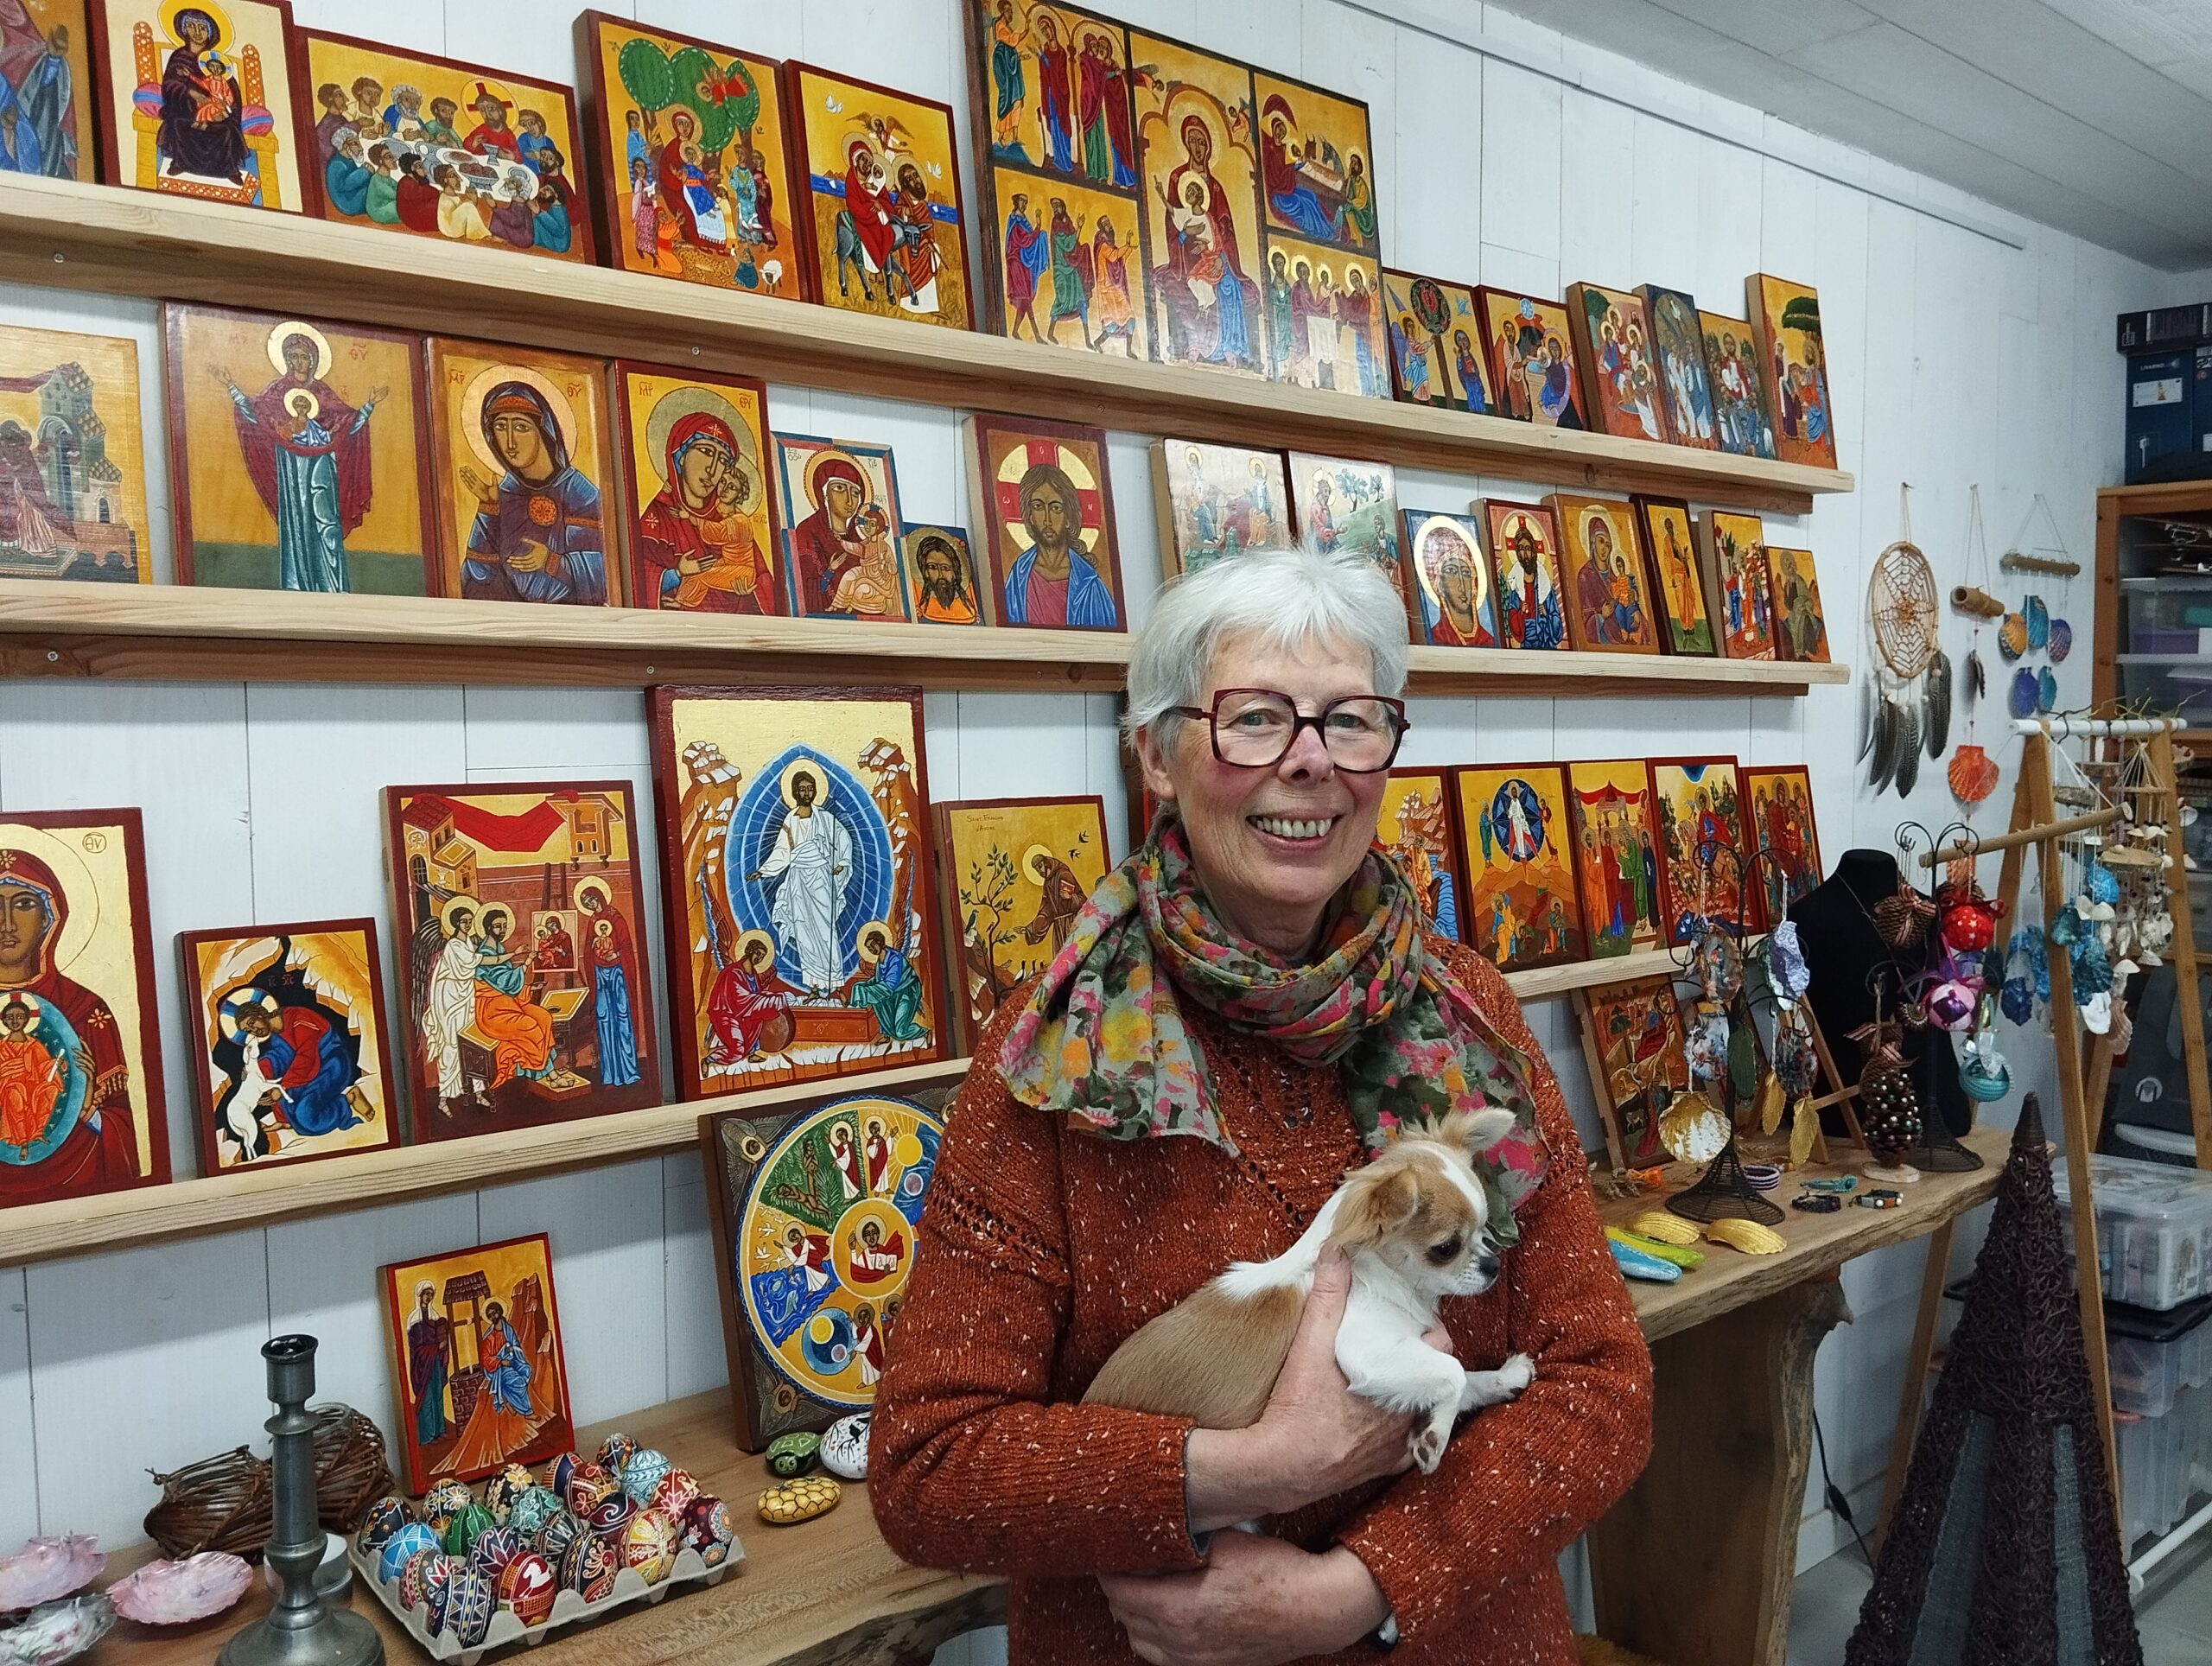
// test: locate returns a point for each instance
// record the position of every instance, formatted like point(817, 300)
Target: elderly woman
point(1256, 980)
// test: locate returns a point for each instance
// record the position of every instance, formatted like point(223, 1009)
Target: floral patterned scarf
point(1102, 1040)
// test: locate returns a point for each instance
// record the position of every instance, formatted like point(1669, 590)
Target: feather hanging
point(1937, 700)
point(1866, 703)
point(1908, 748)
point(1885, 746)
point(1977, 677)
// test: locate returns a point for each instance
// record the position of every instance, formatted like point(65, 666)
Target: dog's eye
point(1445, 1252)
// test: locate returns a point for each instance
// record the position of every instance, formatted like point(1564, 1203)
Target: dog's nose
point(1487, 1265)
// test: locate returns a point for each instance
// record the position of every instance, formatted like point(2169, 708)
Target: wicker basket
point(226, 1503)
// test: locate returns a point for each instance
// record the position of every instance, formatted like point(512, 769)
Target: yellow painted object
point(1666, 1228)
point(1749, 1236)
point(1682, 1255)
point(800, 1501)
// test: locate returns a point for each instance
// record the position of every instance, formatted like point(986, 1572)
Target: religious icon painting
point(476, 1363)
point(1609, 597)
point(1782, 829)
point(692, 158)
point(1736, 583)
point(1801, 629)
point(417, 143)
point(1632, 1035)
point(289, 1060)
point(1436, 343)
point(842, 528)
point(701, 523)
point(1329, 332)
point(46, 64)
point(1621, 386)
point(1043, 508)
point(1014, 874)
point(520, 458)
point(1615, 855)
point(1679, 344)
point(81, 1107)
point(1338, 505)
point(73, 470)
point(1531, 359)
point(1786, 325)
point(1523, 542)
point(1051, 85)
point(1670, 540)
point(1455, 598)
point(201, 99)
point(1697, 813)
point(816, 1218)
point(881, 219)
point(1217, 500)
point(940, 574)
point(1743, 414)
point(297, 460)
point(523, 980)
point(1515, 845)
point(1415, 831)
point(795, 839)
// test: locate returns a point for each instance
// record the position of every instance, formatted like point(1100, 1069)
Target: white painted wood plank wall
point(1954, 359)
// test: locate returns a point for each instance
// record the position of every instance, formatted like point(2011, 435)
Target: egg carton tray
point(568, 1608)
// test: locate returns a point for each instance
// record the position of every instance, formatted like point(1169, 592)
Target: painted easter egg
point(708, 1528)
point(649, 1544)
point(611, 1514)
point(792, 1455)
point(675, 1492)
point(588, 1568)
point(415, 1582)
point(385, 1517)
point(527, 1586)
point(529, 1513)
point(844, 1447)
point(466, 1528)
point(493, 1549)
point(503, 1489)
point(643, 1473)
point(558, 1472)
point(409, 1540)
point(615, 1453)
point(561, 1531)
point(445, 1501)
point(799, 1501)
point(588, 1485)
point(470, 1603)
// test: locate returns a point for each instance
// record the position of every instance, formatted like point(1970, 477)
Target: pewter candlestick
point(301, 1628)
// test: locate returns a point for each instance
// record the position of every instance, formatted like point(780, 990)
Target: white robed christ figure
point(451, 1007)
point(813, 857)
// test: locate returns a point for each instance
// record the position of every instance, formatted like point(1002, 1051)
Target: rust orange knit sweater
point(1045, 1249)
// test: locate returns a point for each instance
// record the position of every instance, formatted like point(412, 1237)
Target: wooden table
point(1693, 1568)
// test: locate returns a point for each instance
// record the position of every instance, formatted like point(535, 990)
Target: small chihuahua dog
point(1413, 1222)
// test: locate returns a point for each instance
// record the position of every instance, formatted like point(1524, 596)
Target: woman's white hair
point(1292, 600)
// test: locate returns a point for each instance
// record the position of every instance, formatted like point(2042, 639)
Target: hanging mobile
point(1973, 773)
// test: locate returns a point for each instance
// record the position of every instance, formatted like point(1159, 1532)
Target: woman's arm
point(968, 1466)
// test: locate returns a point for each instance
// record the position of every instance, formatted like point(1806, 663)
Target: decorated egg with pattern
point(708, 1529)
point(649, 1543)
point(561, 1531)
point(409, 1541)
point(470, 1604)
point(466, 1528)
point(415, 1578)
point(445, 1501)
point(385, 1517)
point(501, 1492)
point(588, 1568)
point(643, 1473)
point(558, 1471)
point(588, 1485)
point(527, 1586)
point(493, 1549)
point(437, 1593)
point(529, 1513)
point(675, 1492)
point(615, 1453)
point(611, 1514)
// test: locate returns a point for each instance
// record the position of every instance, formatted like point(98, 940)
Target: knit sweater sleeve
point(970, 1465)
point(1520, 1482)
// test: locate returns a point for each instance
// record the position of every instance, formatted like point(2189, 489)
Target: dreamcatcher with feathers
point(1905, 701)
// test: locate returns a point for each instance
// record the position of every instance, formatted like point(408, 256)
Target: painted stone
point(799, 1501)
point(466, 1528)
point(409, 1540)
point(527, 1586)
point(615, 1453)
point(588, 1485)
point(504, 1490)
point(445, 1501)
point(493, 1549)
point(649, 1543)
point(642, 1472)
point(792, 1455)
point(529, 1513)
point(708, 1528)
point(844, 1447)
point(675, 1492)
point(470, 1604)
point(385, 1517)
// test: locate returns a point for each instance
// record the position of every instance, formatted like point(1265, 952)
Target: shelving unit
point(51, 628)
point(139, 243)
point(2119, 671)
point(267, 1196)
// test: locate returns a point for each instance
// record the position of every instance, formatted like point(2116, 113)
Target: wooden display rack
point(140, 243)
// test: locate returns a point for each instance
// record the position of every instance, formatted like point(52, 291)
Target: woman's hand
point(1257, 1602)
point(1316, 1437)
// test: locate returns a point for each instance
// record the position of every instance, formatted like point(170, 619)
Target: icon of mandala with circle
point(825, 1236)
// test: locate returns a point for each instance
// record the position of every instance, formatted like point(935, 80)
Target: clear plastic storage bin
point(2154, 1229)
point(2146, 1374)
point(2164, 1461)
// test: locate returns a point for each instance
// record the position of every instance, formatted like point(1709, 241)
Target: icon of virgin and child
point(844, 554)
point(1212, 301)
point(698, 548)
point(537, 534)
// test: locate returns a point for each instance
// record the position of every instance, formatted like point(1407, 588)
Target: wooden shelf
point(2156, 498)
point(53, 628)
point(1585, 974)
point(139, 243)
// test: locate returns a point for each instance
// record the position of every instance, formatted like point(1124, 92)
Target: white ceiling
point(2092, 116)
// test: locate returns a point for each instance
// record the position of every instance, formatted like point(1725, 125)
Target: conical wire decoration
point(2003, 1550)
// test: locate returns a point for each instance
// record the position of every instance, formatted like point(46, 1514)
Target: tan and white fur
point(1413, 1222)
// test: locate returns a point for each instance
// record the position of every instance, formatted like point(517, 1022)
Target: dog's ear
point(1487, 1127)
point(1377, 1201)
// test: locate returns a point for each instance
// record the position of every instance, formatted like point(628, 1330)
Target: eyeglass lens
point(1252, 726)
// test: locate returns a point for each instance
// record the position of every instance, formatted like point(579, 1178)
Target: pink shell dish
point(46, 1568)
point(179, 1593)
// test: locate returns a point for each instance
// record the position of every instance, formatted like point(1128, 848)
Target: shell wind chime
point(1905, 704)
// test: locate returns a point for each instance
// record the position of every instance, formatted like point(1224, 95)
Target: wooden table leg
point(1693, 1567)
